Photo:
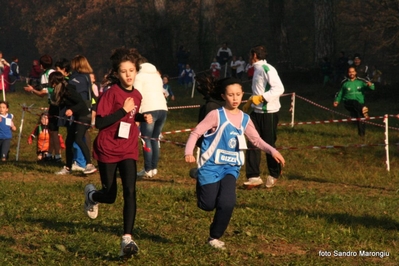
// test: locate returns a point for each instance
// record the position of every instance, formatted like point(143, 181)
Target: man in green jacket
point(352, 94)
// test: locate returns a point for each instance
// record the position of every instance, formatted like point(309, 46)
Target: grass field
point(332, 206)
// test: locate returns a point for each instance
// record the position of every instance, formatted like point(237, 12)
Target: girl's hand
point(128, 105)
point(148, 118)
point(189, 158)
point(279, 158)
point(68, 112)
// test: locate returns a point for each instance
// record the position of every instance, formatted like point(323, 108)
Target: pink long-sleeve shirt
point(212, 121)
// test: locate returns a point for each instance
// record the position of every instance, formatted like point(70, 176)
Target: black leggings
point(76, 132)
point(128, 172)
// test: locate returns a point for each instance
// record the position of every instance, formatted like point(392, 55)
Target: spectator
point(352, 94)
point(362, 69)
point(240, 68)
point(215, 68)
point(266, 90)
point(224, 56)
point(250, 70)
point(42, 90)
point(65, 95)
point(188, 76)
point(326, 70)
point(182, 56)
point(6, 126)
point(167, 88)
point(375, 74)
point(149, 83)
point(13, 75)
point(35, 73)
point(4, 70)
point(41, 133)
point(341, 67)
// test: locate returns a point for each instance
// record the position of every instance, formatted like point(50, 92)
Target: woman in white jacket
point(149, 83)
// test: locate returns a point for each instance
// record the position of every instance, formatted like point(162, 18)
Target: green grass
point(339, 199)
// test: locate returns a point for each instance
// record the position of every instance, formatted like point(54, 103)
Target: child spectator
point(187, 76)
point(6, 125)
point(215, 67)
point(41, 132)
point(250, 70)
point(167, 89)
point(222, 156)
point(35, 73)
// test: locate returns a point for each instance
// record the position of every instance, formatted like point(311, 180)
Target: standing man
point(265, 101)
point(223, 56)
point(362, 69)
point(13, 75)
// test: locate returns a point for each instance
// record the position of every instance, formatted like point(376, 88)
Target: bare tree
point(206, 34)
point(278, 31)
point(324, 29)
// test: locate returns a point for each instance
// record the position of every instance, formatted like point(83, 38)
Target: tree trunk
point(206, 36)
point(162, 38)
point(324, 29)
point(280, 47)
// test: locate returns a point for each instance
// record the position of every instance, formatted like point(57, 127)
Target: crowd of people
point(131, 102)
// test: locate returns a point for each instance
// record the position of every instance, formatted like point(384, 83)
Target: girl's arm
point(210, 121)
point(105, 121)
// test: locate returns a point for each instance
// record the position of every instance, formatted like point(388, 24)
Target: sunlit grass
point(339, 199)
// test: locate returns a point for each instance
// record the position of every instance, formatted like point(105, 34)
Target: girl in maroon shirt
point(116, 145)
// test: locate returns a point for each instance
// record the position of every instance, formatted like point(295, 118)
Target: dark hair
point(260, 52)
point(211, 87)
point(63, 63)
point(6, 103)
point(57, 80)
point(46, 61)
point(121, 55)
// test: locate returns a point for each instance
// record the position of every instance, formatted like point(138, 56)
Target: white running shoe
point(144, 174)
point(254, 181)
point(91, 208)
point(154, 172)
point(64, 171)
point(90, 168)
point(76, 167)
point(271, 181)
point(216, 243)
point(128, 247)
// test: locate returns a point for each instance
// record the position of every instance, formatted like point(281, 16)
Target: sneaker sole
point(130, 250)
point(90, 172)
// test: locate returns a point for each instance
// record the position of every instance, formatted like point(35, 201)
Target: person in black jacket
point(65, 95)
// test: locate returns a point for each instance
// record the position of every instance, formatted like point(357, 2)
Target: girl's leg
point(128, 173)
point(108, 180)
point(225, 202)
point(147, 133)
point(158, 125)
point(5, 148)
point(80, 131)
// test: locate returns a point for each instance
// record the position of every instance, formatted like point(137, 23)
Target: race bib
point(124, 130)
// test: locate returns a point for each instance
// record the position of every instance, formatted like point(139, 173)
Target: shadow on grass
point(321, 180)
point(367, 221)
